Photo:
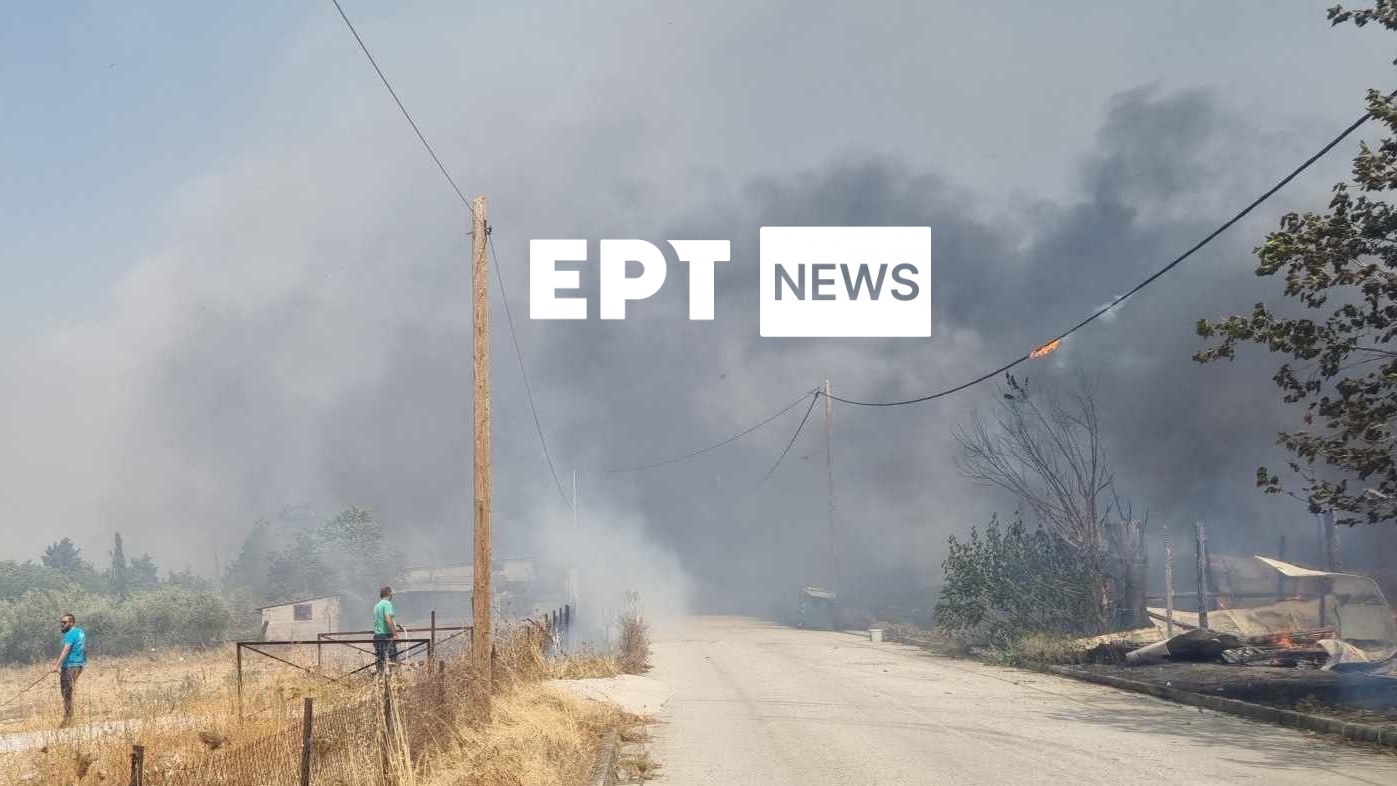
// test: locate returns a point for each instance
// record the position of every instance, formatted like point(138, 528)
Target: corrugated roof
point(460, 578)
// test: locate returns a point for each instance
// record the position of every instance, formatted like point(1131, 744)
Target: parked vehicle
point(816, 609)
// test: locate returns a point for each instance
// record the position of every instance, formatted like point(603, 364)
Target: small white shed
point(301, 619)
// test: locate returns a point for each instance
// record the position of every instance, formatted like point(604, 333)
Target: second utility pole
point(481, 646)
point(829, 481)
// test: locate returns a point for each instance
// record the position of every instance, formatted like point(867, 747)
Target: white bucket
point(875, 635)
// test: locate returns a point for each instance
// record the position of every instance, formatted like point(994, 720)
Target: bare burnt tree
point(1047, 452)
point(1128, 569)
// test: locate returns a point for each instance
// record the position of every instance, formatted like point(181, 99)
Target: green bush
point(17, 578)
point(1006, 584)
point(165, 617)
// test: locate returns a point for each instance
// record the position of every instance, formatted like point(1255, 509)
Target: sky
point(237, 287)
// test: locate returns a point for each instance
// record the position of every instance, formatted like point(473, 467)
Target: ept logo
point(815, 281)
point(545, 279)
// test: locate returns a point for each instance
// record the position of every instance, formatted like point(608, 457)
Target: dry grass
point(181, 708)
point(638, 767)
point(634, 654)
point(1032, 648)
point(1043, 648)
point(180, 705)
point(538, 736)
point(198, 683)
point(130, 686)
point(584, 665)
point(932, 639)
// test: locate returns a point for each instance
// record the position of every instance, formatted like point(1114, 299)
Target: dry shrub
point(1040, 648)
point(638, 767)
point(935, 640)
point(634, 655)
point(584, 665)
point(520, 654)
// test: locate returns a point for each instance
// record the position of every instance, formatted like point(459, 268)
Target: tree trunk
point(1133, 559)
point(1103, 604)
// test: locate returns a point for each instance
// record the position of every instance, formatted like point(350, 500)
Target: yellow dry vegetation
point(147, 685)
point(538, 736)
point(182, 708)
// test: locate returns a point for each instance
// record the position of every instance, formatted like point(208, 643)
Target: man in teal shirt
point(70, 661)
point(386, 629)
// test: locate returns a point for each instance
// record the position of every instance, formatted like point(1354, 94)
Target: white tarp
point(1353, 605)
point(1297, 572)
point(1361, 615)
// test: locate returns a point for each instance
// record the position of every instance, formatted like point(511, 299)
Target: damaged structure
point(1275, 613)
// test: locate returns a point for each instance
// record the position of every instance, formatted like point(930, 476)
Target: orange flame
point(1046, 349)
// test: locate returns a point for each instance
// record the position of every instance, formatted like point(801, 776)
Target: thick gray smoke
point(302, 337)
point(1184, 440)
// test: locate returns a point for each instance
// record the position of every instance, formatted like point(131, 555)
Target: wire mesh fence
point(363, 741)
point(369, 739)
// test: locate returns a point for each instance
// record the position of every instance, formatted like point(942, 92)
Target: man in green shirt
point(386, 629)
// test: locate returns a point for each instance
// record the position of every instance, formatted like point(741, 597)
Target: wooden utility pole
point(481, 597)
point(1168, 584)
point(829, 485)
point(1202, 545)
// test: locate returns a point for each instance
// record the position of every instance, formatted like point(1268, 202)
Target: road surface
point(752, 704)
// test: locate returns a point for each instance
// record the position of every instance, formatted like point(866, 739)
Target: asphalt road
point(755, 704)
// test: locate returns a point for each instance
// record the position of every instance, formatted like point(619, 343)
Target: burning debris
point(1317, 619)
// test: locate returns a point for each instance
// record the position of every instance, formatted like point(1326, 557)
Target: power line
point(691, 454)
point(403, 109)
point(813, 398)
point(749, 491)
point(504, 295)
point(528, 390)
point(1122, 297)
point(854, 402)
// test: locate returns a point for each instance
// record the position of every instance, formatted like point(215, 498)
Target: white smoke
point(617, 566)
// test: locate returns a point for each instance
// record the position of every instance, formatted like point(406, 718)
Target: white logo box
point(846, 249)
